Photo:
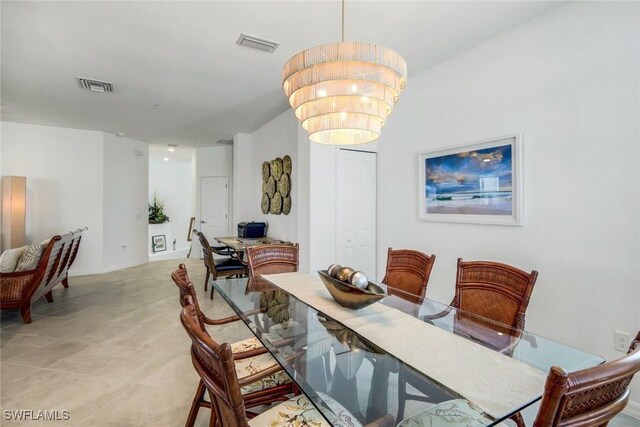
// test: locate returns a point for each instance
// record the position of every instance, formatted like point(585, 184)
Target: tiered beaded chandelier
point(343, 92)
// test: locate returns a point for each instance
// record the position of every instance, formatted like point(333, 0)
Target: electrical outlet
point(621, 341)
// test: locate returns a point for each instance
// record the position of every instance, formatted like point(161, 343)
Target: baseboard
point(73, 273)
point(633, 410)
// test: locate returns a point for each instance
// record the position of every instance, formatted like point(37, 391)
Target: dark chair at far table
point(408, 271)
point(225, 267)
point(215, 365)
point(271, 259)
point(491, 290)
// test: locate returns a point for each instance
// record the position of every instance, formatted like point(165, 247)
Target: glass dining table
point(330, 362)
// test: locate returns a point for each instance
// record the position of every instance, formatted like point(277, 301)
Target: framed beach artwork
point(478, 183)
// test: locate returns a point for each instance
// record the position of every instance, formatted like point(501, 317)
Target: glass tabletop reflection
point(338, 369)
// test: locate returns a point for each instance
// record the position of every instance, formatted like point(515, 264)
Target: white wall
point(79, 178)
point(125, 208)
point(277, 138)
point(570, 82)
point(243, 178)
point(64, 171)
point(172, 181)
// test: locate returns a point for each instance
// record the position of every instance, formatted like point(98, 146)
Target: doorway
point(214, 206)
point(356, 210)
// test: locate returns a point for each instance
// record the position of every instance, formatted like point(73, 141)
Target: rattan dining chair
point(268, 385)
point(223, 267)
point(271, 259)
point(490, 290)
point(215, 365)
point(408, 271)
point(587, 398)
point(590, 397)
point(493, 290)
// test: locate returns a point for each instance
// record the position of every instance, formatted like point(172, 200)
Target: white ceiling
point(183, 57)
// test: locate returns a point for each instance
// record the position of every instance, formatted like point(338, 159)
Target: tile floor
point(111, 351)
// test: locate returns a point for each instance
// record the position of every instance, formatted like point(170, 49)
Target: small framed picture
point(191, 224)
point(478, 183)
point(158, 243)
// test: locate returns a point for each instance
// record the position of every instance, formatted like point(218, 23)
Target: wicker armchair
point(590, 397)
point(270, 259)
point(224, 267)
point(215, 364)
point(408, 271)
point(20, 289)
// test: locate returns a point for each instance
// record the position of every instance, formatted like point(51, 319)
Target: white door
point(356, 211)
point(214, 205)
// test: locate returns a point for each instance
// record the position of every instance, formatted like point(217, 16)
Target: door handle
point(203, 222)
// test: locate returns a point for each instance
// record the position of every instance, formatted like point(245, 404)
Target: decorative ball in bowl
point(350, 296)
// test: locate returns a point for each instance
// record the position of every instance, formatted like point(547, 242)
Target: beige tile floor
point(111, 351)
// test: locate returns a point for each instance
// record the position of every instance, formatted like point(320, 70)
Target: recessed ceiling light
point(172, 149)
point(121, 134)
point(157, 106)
point(166, 159)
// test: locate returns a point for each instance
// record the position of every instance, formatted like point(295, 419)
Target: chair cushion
point(30, 257)
point(253, 365)
point(452, 413)
point(246, 345)
point(222, 250)
point(298, 411)
point(9, 259)
point(228, 264)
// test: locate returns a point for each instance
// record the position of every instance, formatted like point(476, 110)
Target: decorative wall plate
point(286, 205)
point(271, 187)
point(276, 204)
point(266, 171)
point(284, 185)
point(265, 203)
point(276, 168)
point(287, 167)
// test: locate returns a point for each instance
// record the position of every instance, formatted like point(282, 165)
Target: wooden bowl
point(350, 296)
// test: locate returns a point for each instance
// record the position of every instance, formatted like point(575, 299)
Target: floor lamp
point(14, 207)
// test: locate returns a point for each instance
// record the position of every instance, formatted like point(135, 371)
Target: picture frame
point(192, 222)
point(158, 243)
point(479, 183)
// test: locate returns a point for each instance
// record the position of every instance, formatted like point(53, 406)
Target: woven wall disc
point(276, 204)
point(286, 205)
point(265, 203)
point(276, 168)
point(271, 187)
point(287, 167)
point(266, 171)
point(284, 185)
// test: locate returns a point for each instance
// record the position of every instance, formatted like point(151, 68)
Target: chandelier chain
point(343, 20)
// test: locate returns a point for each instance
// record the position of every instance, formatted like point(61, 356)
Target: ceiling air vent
point(224, 142)
point(95, 85)
point(257, 43)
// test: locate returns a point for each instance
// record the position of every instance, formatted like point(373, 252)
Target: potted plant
point(156, 211)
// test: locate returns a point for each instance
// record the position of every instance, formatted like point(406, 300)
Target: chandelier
point(343, 92)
